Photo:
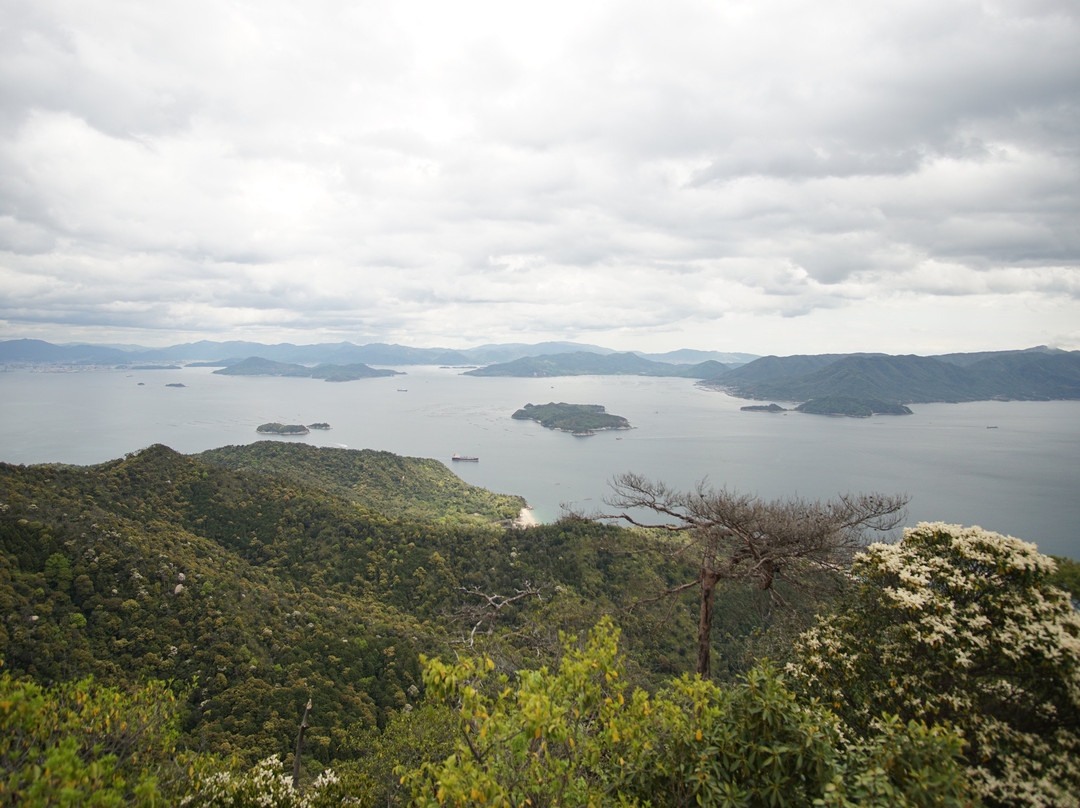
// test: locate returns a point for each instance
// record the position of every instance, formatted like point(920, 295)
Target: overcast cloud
point(771, 177)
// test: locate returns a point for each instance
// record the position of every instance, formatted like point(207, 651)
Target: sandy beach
point(525, 519)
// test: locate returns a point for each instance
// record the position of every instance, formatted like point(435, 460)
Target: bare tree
point(493, 604)
point(732, 536)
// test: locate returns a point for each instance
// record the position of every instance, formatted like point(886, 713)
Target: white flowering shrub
point(264, 786)
point(960, 626)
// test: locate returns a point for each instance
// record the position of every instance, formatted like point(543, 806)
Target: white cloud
point(711, 175)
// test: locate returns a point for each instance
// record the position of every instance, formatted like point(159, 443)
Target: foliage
point(1067, 576)
point(266, 784)
point(80, 743)
point(266, 592)
point(394, 486)
point(577, 736)
point(254, 592)
point(411, 738)
point(961, 626)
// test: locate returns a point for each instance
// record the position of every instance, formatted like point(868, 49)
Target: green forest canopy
point(253, 578)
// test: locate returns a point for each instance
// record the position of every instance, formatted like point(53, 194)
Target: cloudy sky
point(775, 176)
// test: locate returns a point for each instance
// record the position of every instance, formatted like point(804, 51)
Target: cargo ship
point(464, 459)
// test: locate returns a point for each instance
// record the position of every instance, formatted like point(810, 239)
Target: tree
point(732, 536)
point(82, 743)
point(578, 736)
point(961, 626)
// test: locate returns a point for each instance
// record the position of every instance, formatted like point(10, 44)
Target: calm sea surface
point(1020, 477)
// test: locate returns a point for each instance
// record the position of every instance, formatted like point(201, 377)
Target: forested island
point(837, 405)
point(257, 366)
point(274, 428)
point(170, 620)
point(581, 420)
point(852, 406)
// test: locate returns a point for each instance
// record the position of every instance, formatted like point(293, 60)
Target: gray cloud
point(763, 177)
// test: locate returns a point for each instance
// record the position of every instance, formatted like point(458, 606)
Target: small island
point(763, 408)
point(257, 366)
point(581, 420)
point(850, 406)
point(282, 429)
point(319, 425)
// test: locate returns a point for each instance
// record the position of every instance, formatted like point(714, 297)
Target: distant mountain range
point(339, 353)
point(842, 384)
point(1039, 373)
point(1035, 374)
point(585, 363)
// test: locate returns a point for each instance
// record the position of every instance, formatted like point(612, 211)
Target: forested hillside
point(267, 590)
point(167, 618)
point(389, 484)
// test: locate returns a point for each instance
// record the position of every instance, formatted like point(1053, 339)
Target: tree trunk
point(704, 635)
point(299, 743)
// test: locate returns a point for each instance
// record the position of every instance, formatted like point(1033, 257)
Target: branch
point(668, 593)
point(496, 603)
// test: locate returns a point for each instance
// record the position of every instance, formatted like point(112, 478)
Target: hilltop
point(382, 482)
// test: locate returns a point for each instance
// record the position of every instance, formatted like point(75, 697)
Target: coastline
point(525, 519)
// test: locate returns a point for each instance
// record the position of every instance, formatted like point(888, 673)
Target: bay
point(1011, 467)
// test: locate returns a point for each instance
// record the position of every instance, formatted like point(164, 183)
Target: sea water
point(1011, 467)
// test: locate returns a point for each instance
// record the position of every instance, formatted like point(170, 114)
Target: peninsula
point(579, 419)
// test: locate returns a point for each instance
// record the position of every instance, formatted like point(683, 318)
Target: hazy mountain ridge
point(1038, 374)
point(585, 363)
point(32, 351)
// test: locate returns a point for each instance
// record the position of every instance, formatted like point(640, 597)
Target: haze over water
point(1020, 477)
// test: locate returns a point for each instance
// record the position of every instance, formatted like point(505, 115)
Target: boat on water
point(464, 459)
